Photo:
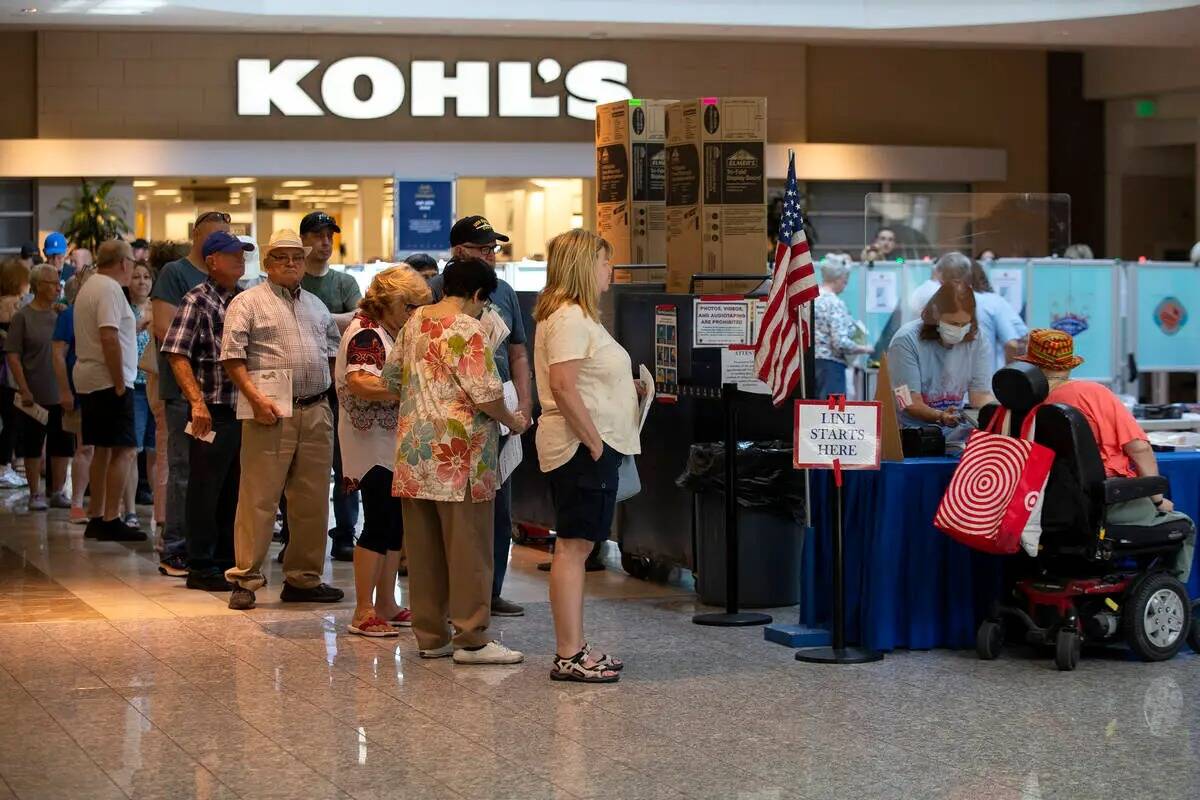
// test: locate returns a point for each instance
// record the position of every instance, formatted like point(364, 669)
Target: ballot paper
point(209, 437)
point(511, 455)
point(510, 402)
point(494, 325)
point(34, 410)
point(647, 401)
point(72, 421)
point(275, 385)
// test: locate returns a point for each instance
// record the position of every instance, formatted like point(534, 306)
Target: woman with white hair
point(834, 328)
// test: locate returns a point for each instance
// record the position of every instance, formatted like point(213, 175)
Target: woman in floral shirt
point(446, 466)
point(834, 327)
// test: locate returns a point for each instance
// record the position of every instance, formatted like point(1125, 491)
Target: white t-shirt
point(605, 383)
point(366, 428)
point(922, 295)
point(102, 304)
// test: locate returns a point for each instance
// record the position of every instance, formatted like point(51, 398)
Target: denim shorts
point(143, 420)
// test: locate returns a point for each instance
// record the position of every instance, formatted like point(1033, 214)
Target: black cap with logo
point(474, 230)
point(316, 220)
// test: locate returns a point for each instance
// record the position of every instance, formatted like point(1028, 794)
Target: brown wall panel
point(18, 64)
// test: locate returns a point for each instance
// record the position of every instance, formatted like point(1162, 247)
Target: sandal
point(574, 669)
point(403, 619)
point(373, 626)
point(604, 659)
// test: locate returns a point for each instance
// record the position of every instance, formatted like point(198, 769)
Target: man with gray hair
point(953, 266)
point(833, 328)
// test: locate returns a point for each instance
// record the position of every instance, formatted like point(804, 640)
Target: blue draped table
point(907, 584)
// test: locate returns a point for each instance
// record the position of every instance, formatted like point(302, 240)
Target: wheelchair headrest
point(1019, 386)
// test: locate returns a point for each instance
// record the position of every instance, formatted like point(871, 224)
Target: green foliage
point(92, 217)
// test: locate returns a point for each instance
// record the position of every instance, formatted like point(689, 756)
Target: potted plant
point(92, 216)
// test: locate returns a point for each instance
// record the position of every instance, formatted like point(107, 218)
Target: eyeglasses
point(207, 215)
point(483, 249)
point(286, 259)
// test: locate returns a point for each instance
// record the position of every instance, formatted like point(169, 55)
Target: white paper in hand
point(209, 437)
point(647, 401)
point(510, 401)
point(273, 384)
point(36, 411)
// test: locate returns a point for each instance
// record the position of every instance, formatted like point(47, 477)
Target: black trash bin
point(770, 496)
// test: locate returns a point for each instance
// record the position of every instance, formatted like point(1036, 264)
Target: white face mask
point(952, 334)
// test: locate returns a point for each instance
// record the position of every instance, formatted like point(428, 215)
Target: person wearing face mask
point(941, 358)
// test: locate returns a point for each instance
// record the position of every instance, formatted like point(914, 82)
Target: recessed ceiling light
point(295, 184)
point(348, 187)
point(141, 197)
point(144, 184)
point(239, 180)
point(166, 192)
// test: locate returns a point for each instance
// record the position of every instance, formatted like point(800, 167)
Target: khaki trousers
point(294, 457)
point(449, 570)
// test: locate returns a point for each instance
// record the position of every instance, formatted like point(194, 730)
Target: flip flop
point(373, 627)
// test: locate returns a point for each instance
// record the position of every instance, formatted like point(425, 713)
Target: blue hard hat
point(55, 245)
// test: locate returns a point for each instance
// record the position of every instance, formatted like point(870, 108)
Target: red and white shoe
point(403, 619)
point(78, 516)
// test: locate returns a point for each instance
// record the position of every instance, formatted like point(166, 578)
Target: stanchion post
point(732, 617)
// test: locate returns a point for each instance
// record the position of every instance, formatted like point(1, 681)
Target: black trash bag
point(765, 479)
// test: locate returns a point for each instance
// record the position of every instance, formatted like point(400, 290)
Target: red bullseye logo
point(1031, 501)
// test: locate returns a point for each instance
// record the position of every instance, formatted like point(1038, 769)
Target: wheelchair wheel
point(1157, 617)
point(1066, 649)
point(989, 640)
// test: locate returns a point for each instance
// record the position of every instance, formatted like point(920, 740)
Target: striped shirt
point(195, 332)
point(270, 327)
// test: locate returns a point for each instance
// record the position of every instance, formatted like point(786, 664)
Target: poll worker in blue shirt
point(999, 322)
point(474, 237)
point(940, 359)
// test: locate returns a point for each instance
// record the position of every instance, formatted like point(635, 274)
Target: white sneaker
point(37, 502)
point(9, 479)
point(438, 652)
point(131, 520)
point(60, 500)
point(490, 653)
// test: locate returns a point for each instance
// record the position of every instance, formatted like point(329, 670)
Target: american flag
point(794, 284)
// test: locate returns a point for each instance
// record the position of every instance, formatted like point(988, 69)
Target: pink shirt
point(1111, 423)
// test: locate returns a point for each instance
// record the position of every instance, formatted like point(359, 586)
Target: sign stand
point(731, 617)
point(839, 653)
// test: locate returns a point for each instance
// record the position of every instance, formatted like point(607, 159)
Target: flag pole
point(800, 353)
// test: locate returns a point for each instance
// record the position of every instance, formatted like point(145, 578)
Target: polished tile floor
point(118, 683)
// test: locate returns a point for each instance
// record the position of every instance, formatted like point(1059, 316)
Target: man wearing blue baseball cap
point(193, 349)
point(177, 279)
point(55, 250)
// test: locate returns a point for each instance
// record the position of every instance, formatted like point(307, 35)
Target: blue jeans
point(143, 420)
point(502, 532)
point(831, 378)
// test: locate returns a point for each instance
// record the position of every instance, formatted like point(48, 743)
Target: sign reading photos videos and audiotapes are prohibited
point(829, 431)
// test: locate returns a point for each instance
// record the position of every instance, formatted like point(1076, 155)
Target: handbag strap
point(997, 420)
point(1028, 426)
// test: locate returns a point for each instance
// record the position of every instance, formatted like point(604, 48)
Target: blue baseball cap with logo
point(55, 245)
point(224, 242)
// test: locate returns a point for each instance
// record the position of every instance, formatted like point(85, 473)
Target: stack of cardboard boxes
point(685, 183)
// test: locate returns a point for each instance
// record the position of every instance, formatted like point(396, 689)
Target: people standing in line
point(425, 264)
point(14, 285)
point(340, 294)
point(833, 328)
point(105, 369)
point(64, 366)
point(277, 327)
point(367, 423)
point(78, 259)
point(474, 238)
point(29, 351)
point(55, 250)
point(589, 422)
point(999, 323)
point(141, 250)
point(139, 298)
point(174, 281)
point(193, 348)
point(161, 254)
point(446, 466)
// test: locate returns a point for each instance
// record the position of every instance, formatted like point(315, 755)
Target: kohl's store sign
point(382, 88)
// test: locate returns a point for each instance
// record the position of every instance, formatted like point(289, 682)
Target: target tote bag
point(994, 501)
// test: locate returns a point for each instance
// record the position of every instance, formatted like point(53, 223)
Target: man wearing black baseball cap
point(474, 238)
point(341, 295)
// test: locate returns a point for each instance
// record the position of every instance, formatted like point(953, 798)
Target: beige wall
point(18, 64)
point(909, 96)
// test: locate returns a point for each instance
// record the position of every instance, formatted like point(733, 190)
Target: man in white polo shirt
point(105, 369)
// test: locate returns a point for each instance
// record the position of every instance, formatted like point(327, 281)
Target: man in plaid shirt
point(193, 349)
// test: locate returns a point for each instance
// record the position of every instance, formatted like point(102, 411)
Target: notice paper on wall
point(720, 321)
point(737, 367)
point(275, 385)
point(1009, 284)
point(666, 353)
point(882, 292)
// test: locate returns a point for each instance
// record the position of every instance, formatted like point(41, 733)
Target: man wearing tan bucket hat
point(1123, 445)
point(271, 330)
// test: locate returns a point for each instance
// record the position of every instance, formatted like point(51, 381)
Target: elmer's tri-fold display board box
point(631, 184)
point(716, 191)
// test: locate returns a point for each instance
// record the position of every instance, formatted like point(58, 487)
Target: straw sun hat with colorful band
point(1051, 349)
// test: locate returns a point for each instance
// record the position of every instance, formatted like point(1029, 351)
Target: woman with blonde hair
point(367, 438)
point(589, 422)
